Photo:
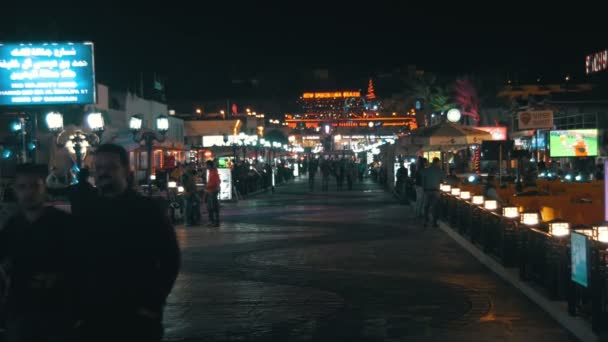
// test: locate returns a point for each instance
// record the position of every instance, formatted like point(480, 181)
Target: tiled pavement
point(339, 266)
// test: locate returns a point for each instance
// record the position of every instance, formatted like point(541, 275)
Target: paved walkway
point(339, 266)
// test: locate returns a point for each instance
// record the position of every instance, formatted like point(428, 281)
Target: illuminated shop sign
point(330, 95)
point(47, 73)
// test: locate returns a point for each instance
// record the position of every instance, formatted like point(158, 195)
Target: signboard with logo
point(535, 119)
point(579, 258)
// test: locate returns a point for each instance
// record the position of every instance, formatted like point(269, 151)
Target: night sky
point(215, 52)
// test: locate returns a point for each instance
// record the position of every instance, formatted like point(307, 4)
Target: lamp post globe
point(54, 121)
point(96, 122)
point(162, 124)
point(135, 123)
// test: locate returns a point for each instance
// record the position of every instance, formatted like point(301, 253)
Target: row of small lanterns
point(558, 229)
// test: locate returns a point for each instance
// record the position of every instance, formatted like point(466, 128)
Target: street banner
point(226, 184)
point(533, 119)
point(579, 255)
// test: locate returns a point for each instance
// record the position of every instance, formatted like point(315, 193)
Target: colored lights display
point(42, 74)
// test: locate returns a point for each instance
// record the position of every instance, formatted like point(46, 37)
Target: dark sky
point(201, 51)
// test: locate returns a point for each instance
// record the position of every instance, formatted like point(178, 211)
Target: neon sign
point(596, 62)
point(330, 95)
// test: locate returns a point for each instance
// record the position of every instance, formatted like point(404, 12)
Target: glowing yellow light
point(529, 219)
point(600, 233)
point(510, 212)
point(465, 195)
point(559, 228)
point(455, 192)
point(478, 200)
point(491, 205)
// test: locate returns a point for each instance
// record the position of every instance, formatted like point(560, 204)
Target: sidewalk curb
point(577, 326)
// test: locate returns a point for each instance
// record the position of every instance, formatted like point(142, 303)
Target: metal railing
point(541, 255)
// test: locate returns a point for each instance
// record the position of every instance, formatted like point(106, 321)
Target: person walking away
point(312, 171)
point(35, 243)
point(340, 173)
point(212, 192)
point(431, 181)
point(418, 186)
point(81, 193)
point(267, 176)
point(351, 174)
point(129, 257)
point(191, 199)
point(402, 175)
point(325, 173)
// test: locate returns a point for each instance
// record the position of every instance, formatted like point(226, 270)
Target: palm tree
point(441, 99)
point(435, 95)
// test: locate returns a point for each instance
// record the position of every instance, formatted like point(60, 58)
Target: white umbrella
point(447, 135)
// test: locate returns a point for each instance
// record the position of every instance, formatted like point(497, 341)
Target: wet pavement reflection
point(347, 266)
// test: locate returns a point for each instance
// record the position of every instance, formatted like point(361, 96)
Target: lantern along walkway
point(339, 266)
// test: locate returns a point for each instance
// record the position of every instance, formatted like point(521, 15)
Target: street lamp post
point(148, 137)
point(77, 141)
point(242, 138)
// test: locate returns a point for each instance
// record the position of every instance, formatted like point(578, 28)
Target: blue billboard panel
point(579, 245)
point(46, 74)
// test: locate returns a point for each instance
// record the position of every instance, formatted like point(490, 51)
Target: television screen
point(46, 74)
point(573, 143)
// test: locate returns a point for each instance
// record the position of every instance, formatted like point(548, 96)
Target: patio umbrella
point(447, 135)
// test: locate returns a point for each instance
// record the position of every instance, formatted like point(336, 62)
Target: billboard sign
point(47, 74)
point(498, 132)
point(535, 119)
point(579, 258)
point(573, 143)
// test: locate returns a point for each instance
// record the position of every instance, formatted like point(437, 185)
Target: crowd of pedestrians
point(344, 171)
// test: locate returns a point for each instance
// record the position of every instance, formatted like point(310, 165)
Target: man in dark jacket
point(131, 257)
point(35, 243)
point(81, 193)
point(191, 200)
